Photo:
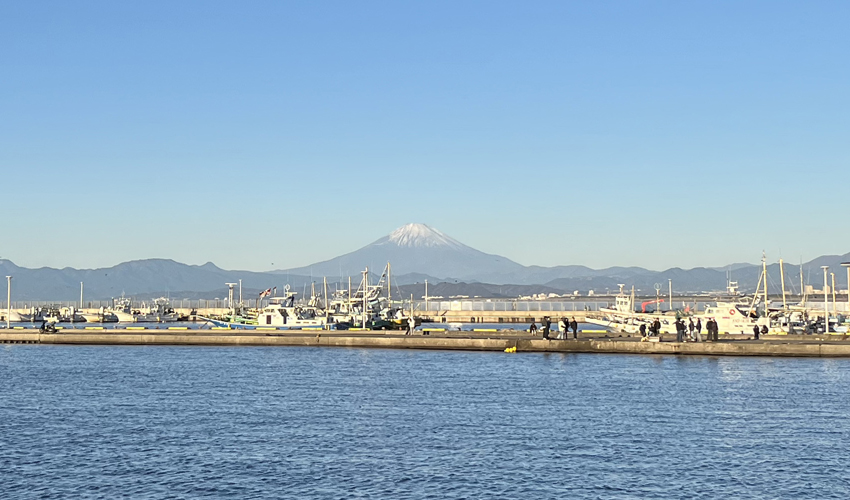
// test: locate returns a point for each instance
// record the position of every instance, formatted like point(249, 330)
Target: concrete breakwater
point(498, 341)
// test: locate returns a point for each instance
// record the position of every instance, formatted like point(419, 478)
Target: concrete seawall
point(495, 342)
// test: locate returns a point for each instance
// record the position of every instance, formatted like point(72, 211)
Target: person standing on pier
point(547, 325)
point(755, 332)
point(712, 330)
point(574, 326)
point(698, 329)
point(643, 330)
point(565, 328)
point(656, 328)
point(411, 325)
point(691, 328)
point(680, 331)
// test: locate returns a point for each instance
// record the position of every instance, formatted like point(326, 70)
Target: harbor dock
point(502, 341)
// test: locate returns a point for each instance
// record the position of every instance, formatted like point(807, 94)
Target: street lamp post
point(230, 300)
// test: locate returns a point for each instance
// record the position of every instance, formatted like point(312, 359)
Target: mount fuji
point(419, 249)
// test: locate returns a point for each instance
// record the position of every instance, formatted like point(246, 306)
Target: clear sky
point(262, 135)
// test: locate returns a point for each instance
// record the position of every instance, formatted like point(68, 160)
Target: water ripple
point(193, 422)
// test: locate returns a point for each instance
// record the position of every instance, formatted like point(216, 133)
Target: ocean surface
point(244, 422)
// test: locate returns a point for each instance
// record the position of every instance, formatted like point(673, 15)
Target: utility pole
point(670, 283)
point(825, 301)
point(834, 308)
point(846, 265)
point(8, 300)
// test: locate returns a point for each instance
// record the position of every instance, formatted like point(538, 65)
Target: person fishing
point(533, 328)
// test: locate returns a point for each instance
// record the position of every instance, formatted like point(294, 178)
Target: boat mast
point(365, 289)
point(782, 278)
point(755, 296)
point(325, 279)
point(348, 302)
point(764, 270)
point(389, 284)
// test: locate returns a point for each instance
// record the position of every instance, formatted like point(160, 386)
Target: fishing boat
point(367, 306)
point(624, 319)
point(101, 315)
point(158, 311)
point(281, 312)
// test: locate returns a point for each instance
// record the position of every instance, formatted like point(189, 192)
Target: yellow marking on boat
point(18, 328)
point(484, 330)
point(136, 328)
point(178, 327)
point(358, 329)
point(312, 328)
point(434, 329)
point(94, 328)
point(220, 328)
point(594, 331)
point(265, 328)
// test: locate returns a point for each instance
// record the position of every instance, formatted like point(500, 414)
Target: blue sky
point(262, 135)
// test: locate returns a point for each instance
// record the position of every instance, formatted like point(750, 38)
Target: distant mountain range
point(417, 253)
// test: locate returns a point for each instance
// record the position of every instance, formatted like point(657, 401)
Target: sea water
point(280, 422)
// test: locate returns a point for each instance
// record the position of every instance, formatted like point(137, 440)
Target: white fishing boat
point(123, 310)
point(101, 315)
point(624, 319)
point(283, 312)
point(158, 311)
point(367, 306)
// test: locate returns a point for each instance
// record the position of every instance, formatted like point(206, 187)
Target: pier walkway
point(505, 340)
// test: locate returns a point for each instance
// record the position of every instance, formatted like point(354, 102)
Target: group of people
point(759, 331)
point(694, 330)
point(546, 328)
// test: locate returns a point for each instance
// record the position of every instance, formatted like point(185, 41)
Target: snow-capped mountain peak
point(420, 235)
